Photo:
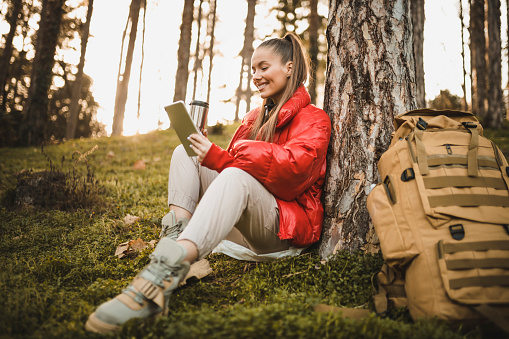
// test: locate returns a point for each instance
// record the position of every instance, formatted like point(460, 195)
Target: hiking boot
point(148, 294)
point(172, 227)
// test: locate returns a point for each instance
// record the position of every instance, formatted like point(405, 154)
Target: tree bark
point(7, 51)
point(418, 18)
point(35, 111)
point(370, 79)
point(478, 58)
point(494, 116)
point(183, 52)
point(314, 23)
point(212, 25)
point(246, 53)
point(76, 91)
point(123, 80)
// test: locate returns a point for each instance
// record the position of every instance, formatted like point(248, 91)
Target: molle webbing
point(461, 181)
point(444, 160)
point(501, 261)
point(449, 248)
point(487, 281)
point(466, 200)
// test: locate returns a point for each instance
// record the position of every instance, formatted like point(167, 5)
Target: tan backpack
point(442, 216)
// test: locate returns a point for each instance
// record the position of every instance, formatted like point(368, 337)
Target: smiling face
point(270, 75)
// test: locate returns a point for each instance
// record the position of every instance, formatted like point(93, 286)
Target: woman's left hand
point(200, 145)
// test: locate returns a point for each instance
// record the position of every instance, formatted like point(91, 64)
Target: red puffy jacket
point(292, 168)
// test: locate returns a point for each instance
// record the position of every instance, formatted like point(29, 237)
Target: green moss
point(56, 266)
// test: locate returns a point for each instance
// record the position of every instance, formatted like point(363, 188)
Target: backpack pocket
point(396, 239)
point(475, 272)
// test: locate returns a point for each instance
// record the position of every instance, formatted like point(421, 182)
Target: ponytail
point(288, 48)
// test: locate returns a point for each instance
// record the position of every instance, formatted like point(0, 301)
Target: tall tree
point(314, 24)
point(13, 14)
point(198, 59)
point(464, 84)
point(142, 58)
point(183, 52)
point(74, 109)
point(370, 79)
point(478, 57)
point(211, 31)
point(123, 78)
point(494, 116)
point(35, 112)
point(247, 51)
point(418, 18)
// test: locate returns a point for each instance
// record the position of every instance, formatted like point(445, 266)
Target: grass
point(57, 266)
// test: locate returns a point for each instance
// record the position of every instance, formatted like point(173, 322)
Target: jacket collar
point(299, 100)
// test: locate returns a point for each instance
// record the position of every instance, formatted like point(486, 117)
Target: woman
point(263, 192)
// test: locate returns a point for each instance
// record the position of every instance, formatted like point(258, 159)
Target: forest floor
point(58, 265)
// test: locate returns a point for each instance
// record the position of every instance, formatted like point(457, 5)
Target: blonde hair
point(288, 48)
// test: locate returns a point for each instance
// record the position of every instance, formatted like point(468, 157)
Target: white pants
point(233, 205)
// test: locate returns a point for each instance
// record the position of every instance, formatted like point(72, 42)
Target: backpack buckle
point(457, 231)
point(469, 124)
point(421, 124)
point(408, 174)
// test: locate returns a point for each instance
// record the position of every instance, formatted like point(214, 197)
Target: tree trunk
point(478, 57)
point(494, 116)
point(212, 25)
point(197, 57)
point(183, 52)
point(246, 53)
point(142, 60)
point(464, 84)
point(418, 18)
point(507, 23)
point(314, 23)
point(76, 91)
point(35, 111)
point(7, 51)
point(123, 80)
point(370, 79)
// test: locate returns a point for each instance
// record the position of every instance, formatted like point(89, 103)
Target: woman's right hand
point(200, 145)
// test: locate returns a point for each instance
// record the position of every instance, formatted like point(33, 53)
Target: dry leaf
point(139, 165)
point(130, 219)
point(110, 155)
point(133, 246)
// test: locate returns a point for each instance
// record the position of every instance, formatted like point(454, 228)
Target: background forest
point(59, 104)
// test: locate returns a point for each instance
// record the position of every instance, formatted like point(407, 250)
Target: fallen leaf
point(130, 219)
point(139, 165)
point(133, 246)
point(110, 155)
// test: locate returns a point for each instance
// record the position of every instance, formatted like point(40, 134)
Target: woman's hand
point(200, 145)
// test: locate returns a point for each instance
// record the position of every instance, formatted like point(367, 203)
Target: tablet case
point(182, 123)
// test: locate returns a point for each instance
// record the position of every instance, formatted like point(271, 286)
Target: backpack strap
point(422, 158)
point(472, 149)
point(494, 315)
point(502, 164)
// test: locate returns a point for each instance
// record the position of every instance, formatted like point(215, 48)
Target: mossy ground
point(56, 266)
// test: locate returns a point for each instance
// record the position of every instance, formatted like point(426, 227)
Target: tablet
point(182, 123)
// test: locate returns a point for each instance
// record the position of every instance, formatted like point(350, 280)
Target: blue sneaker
point(172, 227)
point(148, 294)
